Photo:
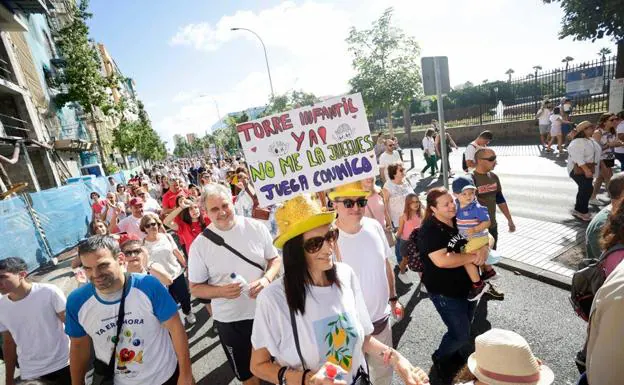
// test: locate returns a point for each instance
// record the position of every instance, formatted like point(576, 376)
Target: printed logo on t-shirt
point(129, 352)
point(487, 188)
point(336, 337)
point(456, 243)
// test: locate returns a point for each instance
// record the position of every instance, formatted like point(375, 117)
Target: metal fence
point(520, 98)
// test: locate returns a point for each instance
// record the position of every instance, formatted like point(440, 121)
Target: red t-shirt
point(187, 233)
point(169, 198)
point(98, 206)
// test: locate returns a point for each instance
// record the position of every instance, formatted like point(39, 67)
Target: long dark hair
point(185, 215)
point(297, 278)
point(432, 200)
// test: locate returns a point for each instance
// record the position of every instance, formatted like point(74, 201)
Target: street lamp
point(266, 58)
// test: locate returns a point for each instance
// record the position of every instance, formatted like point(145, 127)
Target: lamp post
point(266, 58)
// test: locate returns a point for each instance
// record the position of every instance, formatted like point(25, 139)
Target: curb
point(536, 273)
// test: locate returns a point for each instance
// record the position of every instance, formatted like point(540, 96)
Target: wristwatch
point(393, 299)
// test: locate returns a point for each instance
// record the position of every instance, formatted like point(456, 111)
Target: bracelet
point(280, 375)
point(393, 299)
point(305, 373)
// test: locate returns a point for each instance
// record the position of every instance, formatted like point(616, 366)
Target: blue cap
point(461, 183)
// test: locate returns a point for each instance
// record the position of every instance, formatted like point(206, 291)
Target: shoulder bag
point(361, 377)
point(103, 373)
point(219, 241)
point(257, 212)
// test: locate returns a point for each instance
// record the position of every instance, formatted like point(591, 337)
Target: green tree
point(83, 82)
point(182, 148)
point(594, 19)
point(603, 53)
point(288, 101)
point(387, 68)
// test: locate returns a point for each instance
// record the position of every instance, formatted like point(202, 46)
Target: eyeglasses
point(490, 159)
point(152, 224)
point(315, 244)
point(349, 203)
point(131, 253)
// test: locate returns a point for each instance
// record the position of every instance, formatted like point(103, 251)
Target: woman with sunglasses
point(163, 249)
point(376, 208)
point(394, 192)
point(606, 137)
point(312, 326)
point(137, 261)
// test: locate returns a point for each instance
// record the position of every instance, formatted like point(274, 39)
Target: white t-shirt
point(471, 150)
point(396, 199)
point(212, 264)
point(369, 267)
point(555, 121)
point(386, 159)
point(109, 213)
point(544, 117)
point(161, 251)
point(151, 205)
point(144, 352)
point(620, 130)
point(335, 323)
point(42, 347)
point(131, 225)
point(428, 145)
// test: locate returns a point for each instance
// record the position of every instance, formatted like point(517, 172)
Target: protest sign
point(308, 149)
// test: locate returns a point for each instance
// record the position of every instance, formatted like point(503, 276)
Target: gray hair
point(212, 190)
point(98, 242)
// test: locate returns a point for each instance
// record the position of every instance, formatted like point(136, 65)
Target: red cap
point(128, 237)
point(136, 201)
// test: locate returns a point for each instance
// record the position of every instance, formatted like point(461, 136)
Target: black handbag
point(103, 373)
point(361, 377)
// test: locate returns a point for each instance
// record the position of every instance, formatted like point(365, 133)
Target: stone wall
point(522, 131)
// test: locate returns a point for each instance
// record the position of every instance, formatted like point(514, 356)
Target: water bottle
point(236, 278)
point(397, 315)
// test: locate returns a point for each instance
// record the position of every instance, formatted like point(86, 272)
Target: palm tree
point(567, 60)
point(485, 81)
point(509, 73)
point(603, 53)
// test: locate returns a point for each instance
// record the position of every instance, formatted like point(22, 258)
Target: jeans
point(397, 250)
point(431, 163)
point(457, 314)
point(585, 189)
point(180, 292)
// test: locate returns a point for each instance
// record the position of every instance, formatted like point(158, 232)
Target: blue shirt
point(144, 352)
point(471, 216)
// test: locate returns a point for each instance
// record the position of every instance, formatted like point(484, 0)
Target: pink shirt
point(409, 226)
point(375, 209)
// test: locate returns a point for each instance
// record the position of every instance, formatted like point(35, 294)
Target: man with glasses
point(217, 273)
point(388, 157)
point(372, 267)
point(482, 141)
point(490, 195)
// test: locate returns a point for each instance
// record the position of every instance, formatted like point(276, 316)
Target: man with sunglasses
point(387, 158)
point(490, 195)
point(363, 245)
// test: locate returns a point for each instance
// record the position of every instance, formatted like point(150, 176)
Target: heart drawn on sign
point(254, 148)
point(322, 131)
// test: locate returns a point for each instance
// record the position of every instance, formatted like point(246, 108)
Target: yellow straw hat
point(353, 189)
point(298, 215)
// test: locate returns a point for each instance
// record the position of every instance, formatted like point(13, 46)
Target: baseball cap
point(461, 183)
point(136, 201)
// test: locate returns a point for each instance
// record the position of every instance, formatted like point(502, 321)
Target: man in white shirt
point(388, 157)
point(372, 267)
point(482, 141)
point(112, 185)
point(150, 204)
point(130, 224)
point(152, 346)
point(216, 273)
point(31, 323)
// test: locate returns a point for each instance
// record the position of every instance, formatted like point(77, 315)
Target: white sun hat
point(503, 357)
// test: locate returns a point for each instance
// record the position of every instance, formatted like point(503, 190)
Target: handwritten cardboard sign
point(308, 149)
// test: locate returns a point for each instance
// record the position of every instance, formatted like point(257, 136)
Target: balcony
point(31, 6)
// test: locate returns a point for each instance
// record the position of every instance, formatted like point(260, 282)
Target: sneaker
point(476, 291)
point(596, 202)
point(584, 217)
point(494, 292)
point(489, 275)
point(190, 318)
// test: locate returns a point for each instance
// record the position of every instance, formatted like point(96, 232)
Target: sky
point(190, 68)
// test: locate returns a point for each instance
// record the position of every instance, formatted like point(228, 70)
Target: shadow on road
point(400, 327)
point(221, 375)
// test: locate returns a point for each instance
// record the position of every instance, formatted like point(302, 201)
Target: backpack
point(464, 164)
point(587, 281)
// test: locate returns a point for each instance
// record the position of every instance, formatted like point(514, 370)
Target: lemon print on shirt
point(336, 337)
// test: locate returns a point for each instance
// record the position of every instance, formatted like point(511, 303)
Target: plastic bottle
point(397, 314)
point(331, 372)
point(236, 278)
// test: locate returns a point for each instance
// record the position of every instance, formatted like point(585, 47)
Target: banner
point(308, 149)
point(616, 96)
point(588, 81)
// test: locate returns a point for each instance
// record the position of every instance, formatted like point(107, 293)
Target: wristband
point(393, 299)
point(305, 373)
point(280, 375)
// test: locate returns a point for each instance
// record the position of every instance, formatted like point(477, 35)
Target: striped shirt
point(471, 216)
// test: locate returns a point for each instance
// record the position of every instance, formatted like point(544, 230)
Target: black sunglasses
point(349, 203)
point(313, 245)
point(130, 253)
point(152, 224)
point(490, 159)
